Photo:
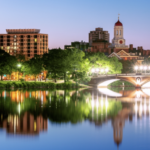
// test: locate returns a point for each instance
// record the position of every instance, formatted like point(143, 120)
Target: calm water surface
point(84, 119)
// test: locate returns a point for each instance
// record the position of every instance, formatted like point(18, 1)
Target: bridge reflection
point(28, 112)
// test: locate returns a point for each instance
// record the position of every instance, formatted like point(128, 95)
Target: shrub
point(22, 80)
point(2, 86)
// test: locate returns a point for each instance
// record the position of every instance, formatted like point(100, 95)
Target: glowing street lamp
point(97, 70)
point(93, 70)
point(102, 70)
point(145, 68)
point(106, 70)
point(136, 68)
point(141, 68)
point(19, 65)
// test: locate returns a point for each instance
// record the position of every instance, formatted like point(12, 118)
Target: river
point(117, 118)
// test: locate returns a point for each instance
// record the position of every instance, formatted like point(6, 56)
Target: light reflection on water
point(31, 113)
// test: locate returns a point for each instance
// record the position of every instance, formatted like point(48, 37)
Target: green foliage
point(34, 66)
point(128, 66)
point(30, 85)
point(8, 63)
point(100, 60)
point(63, 63)
point(120, 83)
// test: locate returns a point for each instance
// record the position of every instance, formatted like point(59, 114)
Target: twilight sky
point(72, 20)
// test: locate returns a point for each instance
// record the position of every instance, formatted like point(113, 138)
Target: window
point(120, 32)
point(117, 32)
point(35, 40)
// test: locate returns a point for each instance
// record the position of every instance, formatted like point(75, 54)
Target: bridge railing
point(124, 74)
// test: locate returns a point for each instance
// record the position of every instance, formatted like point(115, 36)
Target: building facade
point(118, 41)
point(100, 46)
point(118, 47)
point(98, 34)
point(79, 45)
point(28, 42)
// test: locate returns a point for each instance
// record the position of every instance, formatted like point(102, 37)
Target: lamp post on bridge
point(136, 68)
point(97, 70)
point(145, 68)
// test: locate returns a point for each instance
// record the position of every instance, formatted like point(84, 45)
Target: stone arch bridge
point(141, 80)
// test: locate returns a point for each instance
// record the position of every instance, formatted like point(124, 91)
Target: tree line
point(59, 64)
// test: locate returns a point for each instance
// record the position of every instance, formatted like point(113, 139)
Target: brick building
point(98, 34)
point(118, 45)
point(79, 45)
point(24, 41)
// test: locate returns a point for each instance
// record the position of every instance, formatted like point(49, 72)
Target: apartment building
point(28, 42)
point(98, 34)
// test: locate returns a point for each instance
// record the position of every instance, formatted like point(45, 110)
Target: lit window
point(34, 125)
point(14, 43)
point(8, 47)
point(1, 47)
point(15, 47)
point(35, 40)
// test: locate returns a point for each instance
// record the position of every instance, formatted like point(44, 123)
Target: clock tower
point(118, 40)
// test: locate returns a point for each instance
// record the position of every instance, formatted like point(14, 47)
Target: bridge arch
point(109, 93)
point(146, 84)
point(109, 81)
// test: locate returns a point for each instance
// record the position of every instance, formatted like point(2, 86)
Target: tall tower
point(118, 40)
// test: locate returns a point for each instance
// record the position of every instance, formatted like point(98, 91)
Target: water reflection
point(25, 124)
point(28, 112)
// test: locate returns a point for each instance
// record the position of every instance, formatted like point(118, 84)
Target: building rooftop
point(19, 31)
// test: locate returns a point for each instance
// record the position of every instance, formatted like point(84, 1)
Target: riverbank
point(29, 85)
point(121, 84)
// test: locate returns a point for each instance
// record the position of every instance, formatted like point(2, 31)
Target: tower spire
point(118, 16)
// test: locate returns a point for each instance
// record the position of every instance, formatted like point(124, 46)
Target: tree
point(101, 61)
point(60, 62)
point(34, 66)
point(7, 63)
point(128, 66)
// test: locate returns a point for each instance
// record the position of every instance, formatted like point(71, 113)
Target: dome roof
point(118, 23)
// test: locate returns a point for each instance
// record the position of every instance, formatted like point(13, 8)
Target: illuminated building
point(24, 41)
